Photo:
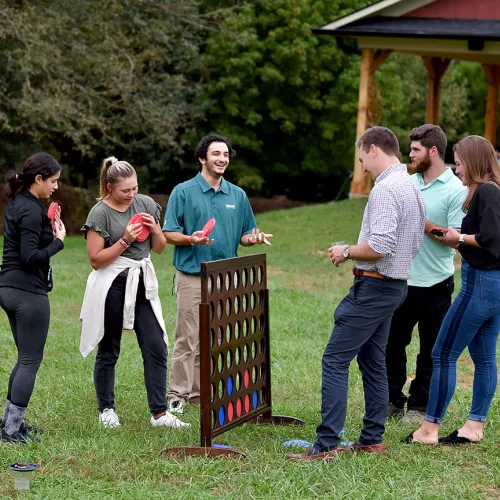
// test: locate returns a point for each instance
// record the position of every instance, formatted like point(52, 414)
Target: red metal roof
point(459, 9)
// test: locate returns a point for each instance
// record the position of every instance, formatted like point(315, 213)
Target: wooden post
point(436, 68)
point(370, 61)
point(491, 119)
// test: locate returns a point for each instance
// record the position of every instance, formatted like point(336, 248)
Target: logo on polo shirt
point(231, 206)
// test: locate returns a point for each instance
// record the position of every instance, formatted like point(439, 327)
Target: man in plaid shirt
point(391, 235)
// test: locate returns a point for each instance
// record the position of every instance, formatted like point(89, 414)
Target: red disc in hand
point(207, 228)
point(137, 219)
point(51, 212)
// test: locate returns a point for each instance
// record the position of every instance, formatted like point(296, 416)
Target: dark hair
point(38, 164)
point(382, 137)
point(429, 136)
point(112, 170)
point(202, 149)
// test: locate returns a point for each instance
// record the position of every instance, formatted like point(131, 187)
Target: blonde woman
point(122, 291)
point(473, 319)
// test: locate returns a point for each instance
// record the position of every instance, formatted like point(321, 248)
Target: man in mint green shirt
point(431, 285)
point(190, 206)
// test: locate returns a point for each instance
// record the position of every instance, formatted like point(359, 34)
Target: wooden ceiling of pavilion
point(437, 30)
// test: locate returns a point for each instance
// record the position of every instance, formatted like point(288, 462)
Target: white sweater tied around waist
point(94, 301)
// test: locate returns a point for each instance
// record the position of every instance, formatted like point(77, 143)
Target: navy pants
point(473, 321)
point(362, 323)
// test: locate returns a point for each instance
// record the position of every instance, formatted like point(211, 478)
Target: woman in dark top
point(473, 319)
point(25, 279)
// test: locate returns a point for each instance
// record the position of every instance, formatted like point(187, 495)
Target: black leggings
point(29, 317)
point(151, 342)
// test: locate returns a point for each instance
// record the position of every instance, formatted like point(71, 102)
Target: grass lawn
point(79, 459)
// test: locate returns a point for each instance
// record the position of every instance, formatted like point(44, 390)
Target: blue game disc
point(299, 443)
point(346, 443)
point(230, 386)
point(224, 446)
point(255, 399)
point(222, 416)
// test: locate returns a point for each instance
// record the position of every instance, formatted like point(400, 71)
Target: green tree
point(100, 77)
point(285, 96)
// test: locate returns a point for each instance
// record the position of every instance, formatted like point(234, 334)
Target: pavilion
point(436, 30)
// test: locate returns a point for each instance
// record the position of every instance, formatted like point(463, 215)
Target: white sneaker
point(176, 407)
point(109, 419)
point(168, 420)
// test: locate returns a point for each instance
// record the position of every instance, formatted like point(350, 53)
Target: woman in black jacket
point(25, 279)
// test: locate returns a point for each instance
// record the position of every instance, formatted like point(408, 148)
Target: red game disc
point(238, 407)
point(137, 219)
point(247, 403)
point(230, 412)
point(51, 212)
point(246, 379)
point(207, 228)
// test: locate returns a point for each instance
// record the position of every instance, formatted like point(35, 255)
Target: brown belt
point(370, 274)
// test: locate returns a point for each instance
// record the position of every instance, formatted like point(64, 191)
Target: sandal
point(454, 439)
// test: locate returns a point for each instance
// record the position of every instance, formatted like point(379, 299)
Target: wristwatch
point(461, 239)
point(347, 252)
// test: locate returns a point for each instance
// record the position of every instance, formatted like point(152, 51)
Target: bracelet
point(123, 243)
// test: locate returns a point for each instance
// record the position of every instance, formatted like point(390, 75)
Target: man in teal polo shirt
point(190, 206)
point(431, 285)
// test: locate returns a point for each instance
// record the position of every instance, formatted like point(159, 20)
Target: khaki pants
point(185, 369)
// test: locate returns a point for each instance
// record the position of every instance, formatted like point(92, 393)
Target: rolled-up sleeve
point(384, 221)
point(174, 215)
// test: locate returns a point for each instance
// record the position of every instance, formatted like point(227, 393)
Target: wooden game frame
point(234, 317)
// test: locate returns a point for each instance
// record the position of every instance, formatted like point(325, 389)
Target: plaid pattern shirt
point(393, 223)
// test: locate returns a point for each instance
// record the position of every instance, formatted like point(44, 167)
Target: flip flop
point(409, 440)
point(137, 219)
point(454, 439)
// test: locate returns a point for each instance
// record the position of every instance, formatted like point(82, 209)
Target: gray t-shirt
point(111, 224)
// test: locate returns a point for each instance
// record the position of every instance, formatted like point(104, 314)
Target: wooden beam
point(436, 68)
point(491, 119)
point(370, 62)
point(380, 57)
point(359, 186)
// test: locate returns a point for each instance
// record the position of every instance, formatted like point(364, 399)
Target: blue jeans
point(362, 322)
point(473, 321)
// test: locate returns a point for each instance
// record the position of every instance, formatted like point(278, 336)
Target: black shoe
point(454, 439)
point(31, 429)
point(25, 427)
point(394, 411)
point(18, 437)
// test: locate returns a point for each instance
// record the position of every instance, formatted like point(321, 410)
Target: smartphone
point(438, 231)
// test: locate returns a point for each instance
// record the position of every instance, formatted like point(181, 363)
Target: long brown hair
point(112, 169)
point(481, 164)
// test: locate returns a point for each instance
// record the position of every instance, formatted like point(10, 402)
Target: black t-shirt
point(483, 220)
point(28, 245)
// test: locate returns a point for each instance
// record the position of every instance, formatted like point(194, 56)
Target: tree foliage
point(144, 80)
point(285, 96)
point(101, 77)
